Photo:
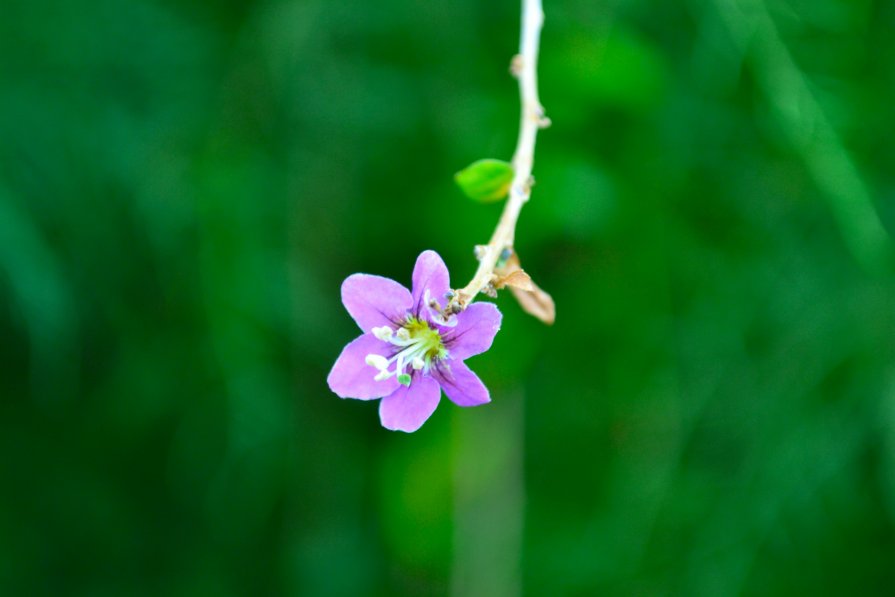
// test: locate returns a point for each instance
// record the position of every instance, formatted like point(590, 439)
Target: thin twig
point(524, 67)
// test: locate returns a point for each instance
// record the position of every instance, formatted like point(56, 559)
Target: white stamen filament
point(415, 353)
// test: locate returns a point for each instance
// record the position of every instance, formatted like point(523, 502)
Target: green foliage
point(184, 186)
point(486, 180)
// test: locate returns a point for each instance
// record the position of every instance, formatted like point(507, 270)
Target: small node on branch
point(526, 187)
point(516, 65)
point(505, 254)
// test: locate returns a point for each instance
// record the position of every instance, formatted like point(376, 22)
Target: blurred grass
point(183, 186)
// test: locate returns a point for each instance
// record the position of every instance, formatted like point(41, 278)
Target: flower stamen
point(383, 333)
point(443, 317)
point(378, 361)
point(419, 345)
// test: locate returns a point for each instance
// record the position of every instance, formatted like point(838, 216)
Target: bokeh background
point(185, 184)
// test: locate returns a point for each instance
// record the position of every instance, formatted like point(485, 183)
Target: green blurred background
point(185, 184)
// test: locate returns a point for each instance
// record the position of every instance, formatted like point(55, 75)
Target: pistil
point(419, 345)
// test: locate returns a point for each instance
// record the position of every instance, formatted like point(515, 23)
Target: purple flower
point(411, 349)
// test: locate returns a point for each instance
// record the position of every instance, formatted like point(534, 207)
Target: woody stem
point(532, 118)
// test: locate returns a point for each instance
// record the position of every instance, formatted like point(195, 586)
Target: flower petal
point(430, 273)
point(475, 331)
point(409, 407)
point(375, 301)
point(461, 385)
point(351, 377)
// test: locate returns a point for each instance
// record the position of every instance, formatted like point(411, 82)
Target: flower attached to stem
point(413, 345)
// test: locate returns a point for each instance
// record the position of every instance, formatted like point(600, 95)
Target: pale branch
point(524, 67)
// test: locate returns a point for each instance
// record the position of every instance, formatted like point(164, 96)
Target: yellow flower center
point(419, 344)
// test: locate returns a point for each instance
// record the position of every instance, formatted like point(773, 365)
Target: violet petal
point(460, 384)
point(351, 377)
point(375, 301)
point(409, 407)
point(430, 273)
point(475, 331)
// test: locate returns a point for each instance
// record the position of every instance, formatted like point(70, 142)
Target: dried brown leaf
point(517, 279)
point(532, 299)
point(536, 302)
